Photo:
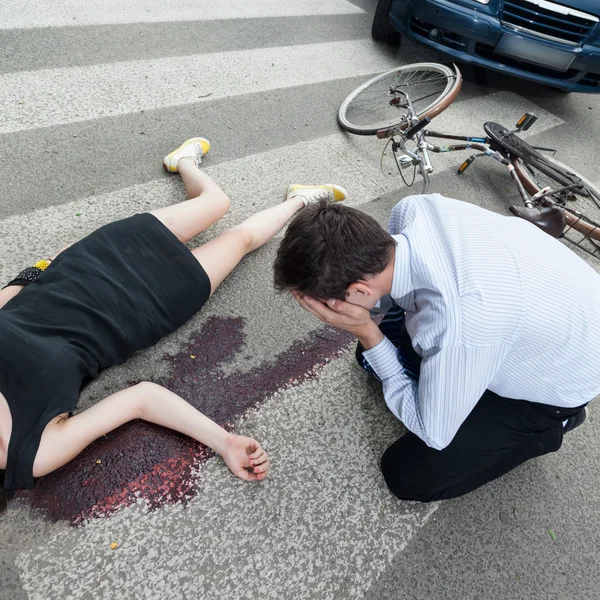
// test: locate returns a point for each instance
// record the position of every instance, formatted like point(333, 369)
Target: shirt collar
point(403, 292)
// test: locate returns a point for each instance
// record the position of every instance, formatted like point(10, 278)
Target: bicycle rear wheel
point(377, 105)
point(580, 205)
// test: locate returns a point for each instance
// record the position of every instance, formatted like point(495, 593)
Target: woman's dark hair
point(327, 247)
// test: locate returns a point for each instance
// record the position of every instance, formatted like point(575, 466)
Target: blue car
point(554, 43)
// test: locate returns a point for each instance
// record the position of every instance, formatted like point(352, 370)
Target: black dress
point(117, 291)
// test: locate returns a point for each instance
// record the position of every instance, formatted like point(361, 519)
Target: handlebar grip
point(416, 128)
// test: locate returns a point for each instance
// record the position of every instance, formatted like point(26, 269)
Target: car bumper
point(473, 36)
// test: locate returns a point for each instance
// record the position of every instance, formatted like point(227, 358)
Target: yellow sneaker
point(194, 148)
point(314, 193)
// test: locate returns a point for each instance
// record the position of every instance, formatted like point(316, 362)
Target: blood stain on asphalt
point(141, 461)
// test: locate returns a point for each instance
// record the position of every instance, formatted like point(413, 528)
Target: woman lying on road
point(117, 291)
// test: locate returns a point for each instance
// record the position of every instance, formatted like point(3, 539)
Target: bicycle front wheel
point(580, 205)
point(377, 105)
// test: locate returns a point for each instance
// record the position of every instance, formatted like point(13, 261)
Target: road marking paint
point(323, 525)
point(65, 13)
point(50, 97)
point(253, 182)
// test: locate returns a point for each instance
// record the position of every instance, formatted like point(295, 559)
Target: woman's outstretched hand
point(245, 457)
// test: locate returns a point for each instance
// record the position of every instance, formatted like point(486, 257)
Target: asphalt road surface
point(92, 96)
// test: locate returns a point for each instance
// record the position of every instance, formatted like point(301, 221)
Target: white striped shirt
point(493, 303)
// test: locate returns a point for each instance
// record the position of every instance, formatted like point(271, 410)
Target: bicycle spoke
point(383, 104)
point(425, 97)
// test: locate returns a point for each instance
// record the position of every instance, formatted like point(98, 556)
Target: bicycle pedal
point(526, 121)
point(465, 165)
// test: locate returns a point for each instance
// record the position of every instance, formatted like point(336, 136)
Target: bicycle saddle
point(549, 219)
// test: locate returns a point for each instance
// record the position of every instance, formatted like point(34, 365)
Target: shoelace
point(198, 154)
point(324, 195)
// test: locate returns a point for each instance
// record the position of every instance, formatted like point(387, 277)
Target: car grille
point(549, 20)
point(591, 79)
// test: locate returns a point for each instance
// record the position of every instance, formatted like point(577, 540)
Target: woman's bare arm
point(65, 438)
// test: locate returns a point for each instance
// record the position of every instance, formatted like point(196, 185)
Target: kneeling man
point(489, 352)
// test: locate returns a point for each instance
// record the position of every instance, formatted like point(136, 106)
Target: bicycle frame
point(424, 147)
point(545, 207)
point(404, 132)
point(553, 220)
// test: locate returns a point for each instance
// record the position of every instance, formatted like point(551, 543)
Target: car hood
point(589, 6)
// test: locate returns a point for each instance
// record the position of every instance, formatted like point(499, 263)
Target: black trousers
point(498, 435)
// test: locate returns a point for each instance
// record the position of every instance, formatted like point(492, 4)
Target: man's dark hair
point(329, 246)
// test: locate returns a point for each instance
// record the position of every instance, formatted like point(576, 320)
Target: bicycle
point(399, 104)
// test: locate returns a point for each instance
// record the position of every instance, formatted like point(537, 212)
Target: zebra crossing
point(82, 144)
point(335, 156)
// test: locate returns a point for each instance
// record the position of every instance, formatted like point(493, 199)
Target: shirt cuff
point(384, 359)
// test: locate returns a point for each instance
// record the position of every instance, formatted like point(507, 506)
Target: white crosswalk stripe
point(65, 13)
point(56, 96)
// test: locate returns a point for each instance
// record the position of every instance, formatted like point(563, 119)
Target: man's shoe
point(576, 420)
point(194, 148)
point(314, 193)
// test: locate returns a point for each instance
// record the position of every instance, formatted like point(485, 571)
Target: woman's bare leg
point(220, 256)
point(207, 203)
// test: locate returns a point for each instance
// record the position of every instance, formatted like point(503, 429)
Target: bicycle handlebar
point(416, 128)
point(388, 132)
